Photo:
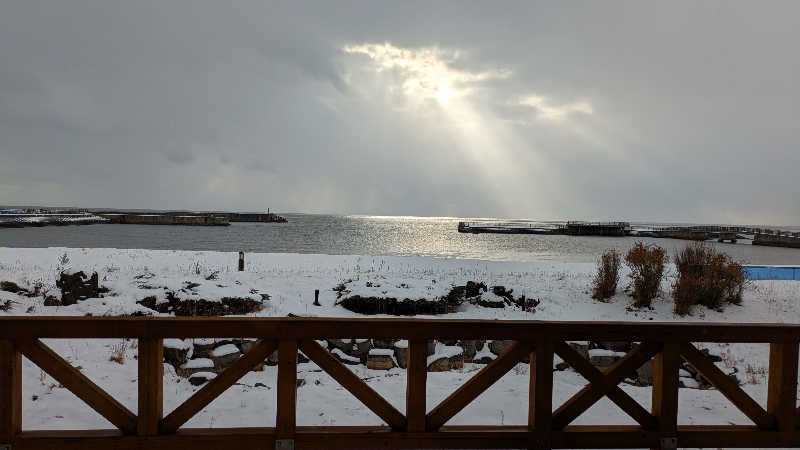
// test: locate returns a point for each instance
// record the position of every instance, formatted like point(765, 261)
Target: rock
point(301, 358)
point(431, 347)
point(380, 359)
point(10, 286)
point(202, 307)
point(272, 360)
point(360, 348)
point(247, 345)
point(301, 382)
point(498, 347)
point(344, 358)
point(200, 378)
point(603, 358)
point(644, 374)
point(485, 359)
point(76, 286)
point(176, 351)
point(383, 343)
point(615, 346)
point(562, 366)
point(51, 301)
point(581, 347)
point(203, 347)
point(224, 356)
point(470, 349)
point(446, 358)
point(340, 344)
point(709, 355)
point(195, 366)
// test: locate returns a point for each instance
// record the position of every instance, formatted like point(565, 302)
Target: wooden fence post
point(151, 386)
point(540, 391)
point(665, 390)
point(241, 261)
point(286, 420)
point(10, 392)
point(416, 378)
point(782, 388)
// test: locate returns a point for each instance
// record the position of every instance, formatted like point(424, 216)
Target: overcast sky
point(553, 110)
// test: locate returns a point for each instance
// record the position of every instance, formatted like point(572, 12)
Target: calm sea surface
point(350, 235)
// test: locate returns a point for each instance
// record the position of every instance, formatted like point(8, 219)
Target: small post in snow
point(241, 261)
point(316, 297)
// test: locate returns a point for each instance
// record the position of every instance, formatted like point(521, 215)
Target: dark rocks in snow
point(393, 306)
point(77, 286)
point(202, 307)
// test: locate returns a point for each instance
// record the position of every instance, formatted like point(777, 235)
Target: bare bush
point(706, 277)
point(646, 263)
point(604, 285)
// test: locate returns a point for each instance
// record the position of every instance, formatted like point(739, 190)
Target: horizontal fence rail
point(774, 424)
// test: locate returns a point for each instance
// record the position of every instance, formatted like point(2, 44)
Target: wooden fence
point(774, 424)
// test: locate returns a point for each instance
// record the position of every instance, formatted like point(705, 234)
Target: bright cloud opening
point(548, 111)
point(425, 73)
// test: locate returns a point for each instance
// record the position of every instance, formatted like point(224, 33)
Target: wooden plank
point(782, 387)
point(614, 393)
point(620, 436)
point(151, 386)
point(355, 385)
point(415, 329)
point(80, 385)
point(540, 390)
point(475, 386)
point(590, 394)
point(286, 420)
point(211, 390)
point(10, 391)
point(727, 387)
point(665, 387)
point(416, 380)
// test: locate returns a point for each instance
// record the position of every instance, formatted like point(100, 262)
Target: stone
point(224, 356)
point(383, 343)
point(200, 378)
point(247, 345)
point(603, 358)
point(581, 347)
point(51, 301)
point(203, 347)
point(470, 349)
point(344, 358)
point(77, 286)
point(497, 347)
point(176, 351)
point(644, 374)
point(194, 366)
point(616, 346)
point(380, 359)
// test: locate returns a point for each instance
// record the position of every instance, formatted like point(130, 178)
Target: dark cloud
point(677, 111)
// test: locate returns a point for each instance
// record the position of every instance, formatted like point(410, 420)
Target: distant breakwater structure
point(759, 236)
point(41, 219)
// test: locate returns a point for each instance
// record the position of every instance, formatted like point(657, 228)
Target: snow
point(381, 352)
point(290, 281)
point(227, 349)
point(344, 356)
point(179, 344)
point(445, 351)
point(603, 352)
point(198, 363)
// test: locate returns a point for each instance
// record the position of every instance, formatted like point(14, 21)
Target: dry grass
point(118, 352)
point(604, 284)
point(706, 277)
point(646, 263)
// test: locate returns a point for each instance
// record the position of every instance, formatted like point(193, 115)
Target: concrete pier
point(166, 219)
point(777, 239)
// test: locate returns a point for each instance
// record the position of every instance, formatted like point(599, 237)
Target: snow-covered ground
point(290, 281)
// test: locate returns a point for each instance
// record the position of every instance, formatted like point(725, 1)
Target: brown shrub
point(604, 285)
point(706, 277)
point(646, 263)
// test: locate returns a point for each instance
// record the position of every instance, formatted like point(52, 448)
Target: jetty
point(574, 228)
point(166, 219)
point(732, 234)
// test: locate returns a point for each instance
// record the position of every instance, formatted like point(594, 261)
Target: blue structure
point(772, 273)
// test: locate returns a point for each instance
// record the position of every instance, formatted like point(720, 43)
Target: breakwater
point(165, 219)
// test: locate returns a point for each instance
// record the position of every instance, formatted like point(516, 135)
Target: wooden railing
point(774, 424)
